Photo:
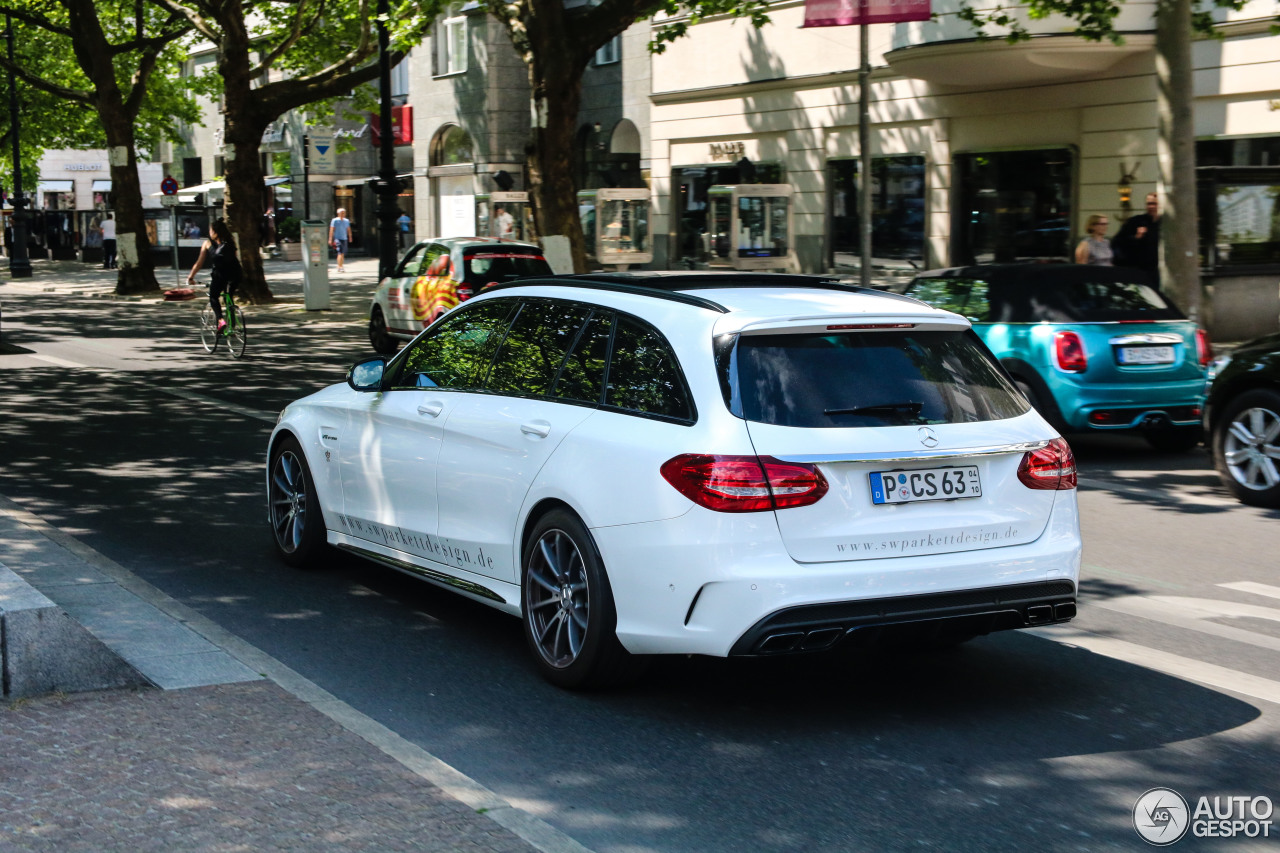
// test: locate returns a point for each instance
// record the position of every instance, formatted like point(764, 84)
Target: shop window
point(451, 46)
point(692, 185)
point(1012, 206)
point(1239, 217)
point(897, 210)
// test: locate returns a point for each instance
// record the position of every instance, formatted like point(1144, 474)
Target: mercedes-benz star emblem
point(928, 437)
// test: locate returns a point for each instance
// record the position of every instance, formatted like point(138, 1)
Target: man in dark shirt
point(1137, 244)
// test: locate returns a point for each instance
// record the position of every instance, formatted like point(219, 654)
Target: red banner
point(401, 126)
point(841, 13)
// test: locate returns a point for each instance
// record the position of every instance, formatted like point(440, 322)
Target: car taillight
point(1069, 350)
point(744, 483)
point(1204, 349)
point(464, 293)
point(1051, 467)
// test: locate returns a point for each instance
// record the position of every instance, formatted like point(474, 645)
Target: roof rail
point(661, 284)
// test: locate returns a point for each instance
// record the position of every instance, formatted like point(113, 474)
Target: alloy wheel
point(558, 598)
point(1251, 448)
point(288, 496)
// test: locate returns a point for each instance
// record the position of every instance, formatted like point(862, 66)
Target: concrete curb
point(43, 650)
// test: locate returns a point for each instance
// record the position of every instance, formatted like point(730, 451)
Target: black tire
point(1178, 440)
point(567, 607)
point(378, 336)
point(1246, 447)
point(1047, 410)
point(297, 522)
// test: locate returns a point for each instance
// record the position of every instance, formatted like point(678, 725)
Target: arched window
point(452, 146)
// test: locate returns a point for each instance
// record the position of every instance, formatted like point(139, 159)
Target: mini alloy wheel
point(1248, 448)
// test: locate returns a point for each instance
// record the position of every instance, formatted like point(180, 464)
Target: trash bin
point(315, 265)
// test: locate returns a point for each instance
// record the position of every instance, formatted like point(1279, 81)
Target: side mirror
point(367, 375)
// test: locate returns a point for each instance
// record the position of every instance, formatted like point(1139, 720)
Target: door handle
point(431, 409)
point(539, 428)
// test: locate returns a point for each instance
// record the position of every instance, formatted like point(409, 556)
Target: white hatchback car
point(717, 464)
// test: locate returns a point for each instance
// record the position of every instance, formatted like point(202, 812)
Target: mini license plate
point(930, 484)
point(1146, 355)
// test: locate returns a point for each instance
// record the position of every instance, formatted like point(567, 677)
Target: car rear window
point(486, 266)
point(865, 379)
point(1100, 301)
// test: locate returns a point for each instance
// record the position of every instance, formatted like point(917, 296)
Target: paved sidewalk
point(229, 750)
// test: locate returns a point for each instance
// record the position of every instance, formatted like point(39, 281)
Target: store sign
point(83, 167)
point(840, 13)
point(728, 150)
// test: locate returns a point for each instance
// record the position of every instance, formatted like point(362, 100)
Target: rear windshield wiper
point(911, 409)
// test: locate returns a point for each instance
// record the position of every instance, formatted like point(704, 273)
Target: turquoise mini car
point(1093, 348)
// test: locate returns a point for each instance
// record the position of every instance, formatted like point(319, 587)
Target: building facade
point(982, 151)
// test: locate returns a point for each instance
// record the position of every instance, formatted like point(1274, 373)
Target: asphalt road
point(120, 430)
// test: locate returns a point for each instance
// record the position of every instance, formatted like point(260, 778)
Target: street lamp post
point(19, 262)
point(387, 185)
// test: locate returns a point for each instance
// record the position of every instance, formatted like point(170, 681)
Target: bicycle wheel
point(237, 338)
point(209, 329)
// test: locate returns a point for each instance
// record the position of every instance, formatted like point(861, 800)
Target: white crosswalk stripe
point(1193, 614)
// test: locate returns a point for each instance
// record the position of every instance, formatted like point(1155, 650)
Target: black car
point(1242, 415)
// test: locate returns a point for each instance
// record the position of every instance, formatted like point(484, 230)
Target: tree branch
point(36, 20)
point(298, 30)
point(77, 95)
point(198, 21)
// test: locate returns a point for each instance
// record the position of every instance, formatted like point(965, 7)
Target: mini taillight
point(1204, 349)
point(744, 483)
point(1051, 467)
point(464, 293)
point(1069, 351)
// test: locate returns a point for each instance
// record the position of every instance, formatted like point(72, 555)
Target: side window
point(535, 347)
point(459, 350)
point(409, 264)
point(644, 375)
point(582, 377)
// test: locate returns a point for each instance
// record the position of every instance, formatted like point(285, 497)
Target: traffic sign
point(169, 186)
point(170, 201)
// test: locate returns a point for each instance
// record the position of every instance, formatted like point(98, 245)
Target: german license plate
point(1146, 355)
point(929, 484)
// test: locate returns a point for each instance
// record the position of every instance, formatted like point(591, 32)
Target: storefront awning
point(354, 182)
point(55, 187)
point(204, 188)
point(274, 182)
point(100, 186)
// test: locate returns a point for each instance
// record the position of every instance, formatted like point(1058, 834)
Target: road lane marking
point(194, 397)
point(1255, 588)
point(53, 359)
point(1168, 663)
point(1192, 613)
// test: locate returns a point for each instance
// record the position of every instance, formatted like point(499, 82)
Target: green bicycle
point(234, 331)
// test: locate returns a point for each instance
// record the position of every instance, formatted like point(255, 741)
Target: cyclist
point(225, 267)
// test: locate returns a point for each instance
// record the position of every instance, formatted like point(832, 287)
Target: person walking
point(108, 229)
point(1138, 242)
point(340, 236)
point(1095, 248)
point(404, 222)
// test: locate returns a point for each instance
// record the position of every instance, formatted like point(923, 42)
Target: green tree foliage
point(272, 57)
point(107, 60)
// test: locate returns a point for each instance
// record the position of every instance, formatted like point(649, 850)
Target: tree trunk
point(245, 207)
point(136, 265)
point(555, 83)
point(1175, 101)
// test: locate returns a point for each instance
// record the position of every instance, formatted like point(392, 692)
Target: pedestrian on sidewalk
point(340, 235)
point(1138, 243)
point(108, 229)
point(1095, 248)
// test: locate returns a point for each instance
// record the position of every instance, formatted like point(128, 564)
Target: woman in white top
point(1095, 248)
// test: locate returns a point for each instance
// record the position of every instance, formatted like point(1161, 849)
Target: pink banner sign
point(841, 13)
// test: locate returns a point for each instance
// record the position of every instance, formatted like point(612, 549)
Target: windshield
point(864, 379)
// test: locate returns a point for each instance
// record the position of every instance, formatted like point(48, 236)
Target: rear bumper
point(719, 584)
point(1161, 406)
